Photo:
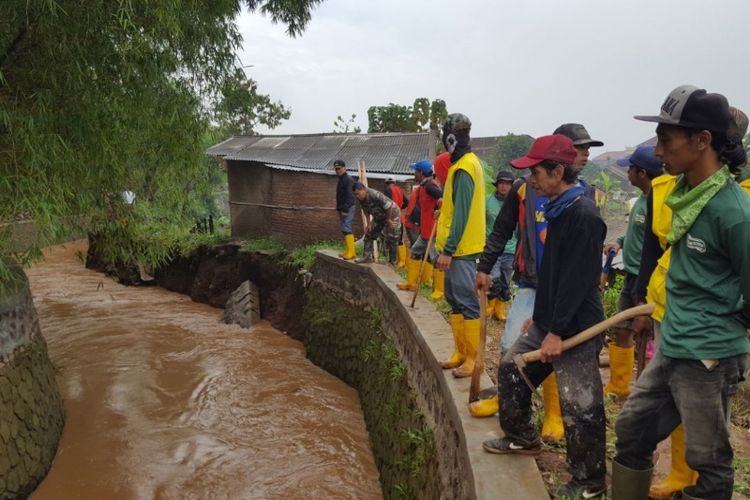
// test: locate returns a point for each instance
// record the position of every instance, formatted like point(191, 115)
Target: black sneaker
point(506, 446)
point(584, 490)
point(365, 259)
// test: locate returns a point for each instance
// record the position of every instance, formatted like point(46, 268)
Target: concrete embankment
point(31, 411)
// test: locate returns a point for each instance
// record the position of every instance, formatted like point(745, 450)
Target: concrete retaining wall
point(31, 410)
point(352, 310)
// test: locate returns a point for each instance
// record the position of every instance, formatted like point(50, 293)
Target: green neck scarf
point(687, 204)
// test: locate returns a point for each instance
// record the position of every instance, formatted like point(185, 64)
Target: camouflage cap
point(737, 126)
point(457, 121)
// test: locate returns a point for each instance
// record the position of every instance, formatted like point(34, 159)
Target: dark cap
point(690, 107)
point(504, 175)
point(456, 122)
point(556, 147)
point(390, 180)
point(339, 163)
point(578, 134)
point(643, 158)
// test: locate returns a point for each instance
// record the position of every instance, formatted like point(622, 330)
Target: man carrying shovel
point(568, 301)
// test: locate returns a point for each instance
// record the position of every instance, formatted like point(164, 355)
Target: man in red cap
point(567, 301)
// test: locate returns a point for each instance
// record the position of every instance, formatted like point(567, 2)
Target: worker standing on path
point(501, 273)
point(386, 219)
point(459, 241)
point(401, 200)
point(524, 209)
point(428, 194)
point(345, 207)
point(702, 353)
point(643, 166)
point(567, 302)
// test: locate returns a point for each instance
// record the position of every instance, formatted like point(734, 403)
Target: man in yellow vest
point(459, 241)
point(703, 344)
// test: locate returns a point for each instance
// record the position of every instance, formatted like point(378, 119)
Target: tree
point(111, 96)
point(423, 115)
point(509, 147)
point(341, 126)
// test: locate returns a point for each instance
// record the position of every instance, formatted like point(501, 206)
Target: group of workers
point(685, 251)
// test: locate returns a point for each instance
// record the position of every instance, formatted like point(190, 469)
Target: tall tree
point(510, 147)
point(102, 97)
point(423, 115)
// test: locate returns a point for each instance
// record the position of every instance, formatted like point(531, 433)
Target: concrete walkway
point(495, 476)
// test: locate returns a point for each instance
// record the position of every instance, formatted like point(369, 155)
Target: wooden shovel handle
point(593, 331)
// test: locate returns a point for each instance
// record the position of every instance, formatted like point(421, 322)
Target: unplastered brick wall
point(295, 207)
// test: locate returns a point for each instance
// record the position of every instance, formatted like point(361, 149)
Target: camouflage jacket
point(379, 206)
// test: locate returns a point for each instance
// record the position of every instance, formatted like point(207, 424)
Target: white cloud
point(510, 66)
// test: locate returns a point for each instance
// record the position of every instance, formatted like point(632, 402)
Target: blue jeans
point(521, 310)
point(460, 280)
point(346, 220)
point(670, 391)
point(500, 274)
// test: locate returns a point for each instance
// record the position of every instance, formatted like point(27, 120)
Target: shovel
point(521, 360)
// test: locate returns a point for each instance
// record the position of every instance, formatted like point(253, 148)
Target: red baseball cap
point(549, 147)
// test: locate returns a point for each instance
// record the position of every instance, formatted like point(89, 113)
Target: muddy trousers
point(670, 391)
point(581, 402)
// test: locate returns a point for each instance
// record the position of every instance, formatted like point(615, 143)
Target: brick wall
point(289, 192)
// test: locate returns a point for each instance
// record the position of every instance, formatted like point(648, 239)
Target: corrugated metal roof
point(386, 153)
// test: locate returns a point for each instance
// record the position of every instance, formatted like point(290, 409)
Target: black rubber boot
point(630, 484)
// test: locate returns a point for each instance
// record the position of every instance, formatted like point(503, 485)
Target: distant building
point(608, 160)
point(285, 186)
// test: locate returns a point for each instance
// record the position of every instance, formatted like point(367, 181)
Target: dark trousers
point(390, 234)
point(670, 391)
point(581, 401)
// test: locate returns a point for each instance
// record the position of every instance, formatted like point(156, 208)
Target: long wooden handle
point(421, 264)
point(593, 331)
point(479, 362)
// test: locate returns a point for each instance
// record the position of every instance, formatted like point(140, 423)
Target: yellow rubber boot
point(401, 252)
point(490, 307)
point(485, 407)
point(680, 475)
point(427, 274)
point(412, 271)
point(620, 370)
point(499, 310)
point(471, 345)
point(552, 428)
point(349, 252)
point(458, 356)
point(438, 284)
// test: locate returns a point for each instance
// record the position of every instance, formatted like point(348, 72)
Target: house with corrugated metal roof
point(285, 186)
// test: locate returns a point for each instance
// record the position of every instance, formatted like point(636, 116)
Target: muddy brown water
point(163, 401)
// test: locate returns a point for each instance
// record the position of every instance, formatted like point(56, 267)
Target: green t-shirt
point(632, 242)
point(493, 207)
point(708, 282)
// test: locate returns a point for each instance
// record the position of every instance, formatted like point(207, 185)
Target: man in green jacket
point(642, 165)
point(702, 355)
point(502, 271)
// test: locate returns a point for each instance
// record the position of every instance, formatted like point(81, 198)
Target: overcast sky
point(522, 66)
